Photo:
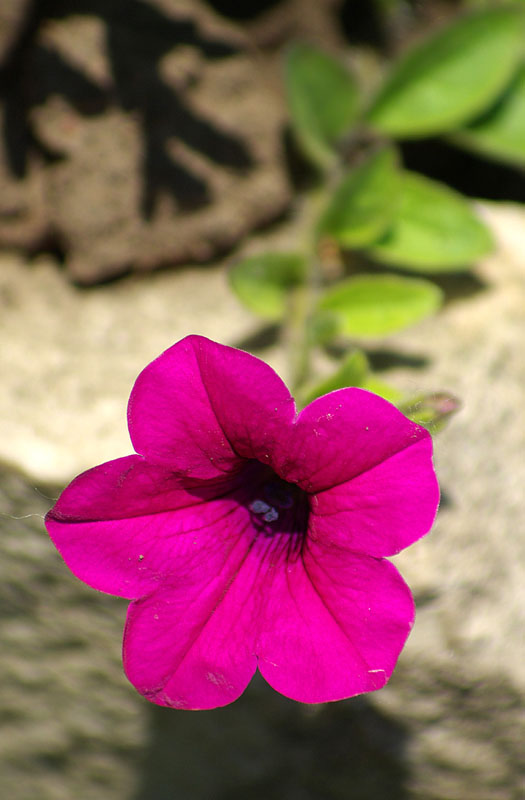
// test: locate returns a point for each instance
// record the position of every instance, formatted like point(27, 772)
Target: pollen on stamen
point(259, 507)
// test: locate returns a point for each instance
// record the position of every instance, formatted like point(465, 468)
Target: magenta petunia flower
point(249, 536)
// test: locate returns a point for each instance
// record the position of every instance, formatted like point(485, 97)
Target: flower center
point(278, 506)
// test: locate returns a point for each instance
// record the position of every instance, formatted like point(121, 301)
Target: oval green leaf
point(435, 230)
point(448, 79)
point(323, 101)
point(385, 390)
point(352, 371)
point(363, 205)
point(500, 133)
point(262, 282)
point(380, 304)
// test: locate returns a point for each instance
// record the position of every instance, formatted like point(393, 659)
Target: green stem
point(303, 298)
point(297, 335)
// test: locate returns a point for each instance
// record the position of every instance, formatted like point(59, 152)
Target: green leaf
point(383, 389)
point(446, 80)
point(323, 327)
point(432, 411)
point(262, 282)
point(363, 205)
point(436, 230)
point(352, 372)
point(500, 133)
point(323, 100)
point(380, 304)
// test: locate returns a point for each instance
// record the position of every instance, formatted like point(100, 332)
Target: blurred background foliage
point(462, 81)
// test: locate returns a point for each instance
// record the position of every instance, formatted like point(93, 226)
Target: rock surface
point(13, 14)
point(450, 724)
point(123, 123)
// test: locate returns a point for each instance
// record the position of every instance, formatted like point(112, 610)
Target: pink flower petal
point(126, 526)
point(127, 487)
point(382, 510)
point(341, 435)
point(323, 628)
point(334, 625)
point(201, 405)
point(230, 564)
point(191, 644)
point(172, 655)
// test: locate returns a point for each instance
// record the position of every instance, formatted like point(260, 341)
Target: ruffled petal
point(126, 526)
point(170, 654)
point(191, 644)
point(128, 487)
point(382, 510)
point(200, 406)
point(334, 625)
point(341, 435)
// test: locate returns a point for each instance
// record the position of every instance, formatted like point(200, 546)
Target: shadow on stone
point(466, 172)
point(265, 745)
point(137, 37)
point(382, 359)
point(264, 337)
point(459, 285)
point(242, 11)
